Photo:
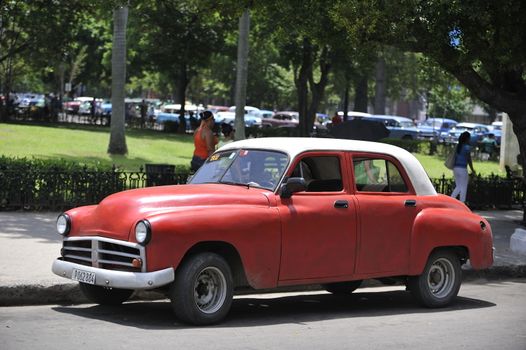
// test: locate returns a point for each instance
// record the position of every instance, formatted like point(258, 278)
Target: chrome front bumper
point(117, 279)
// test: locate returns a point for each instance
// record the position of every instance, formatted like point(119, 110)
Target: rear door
point(386, 207)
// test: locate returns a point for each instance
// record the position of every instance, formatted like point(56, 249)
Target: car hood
point(117, 214)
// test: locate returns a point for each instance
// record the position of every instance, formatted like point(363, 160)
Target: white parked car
point(252, 116)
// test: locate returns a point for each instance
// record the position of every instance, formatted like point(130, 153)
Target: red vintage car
point(282, 119)
point(272, 212)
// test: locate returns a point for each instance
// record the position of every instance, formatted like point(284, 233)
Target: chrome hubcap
point(210, 290)
point(441, 278)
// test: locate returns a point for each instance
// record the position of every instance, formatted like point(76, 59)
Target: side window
point(377, 175)
point(322, 174)
point(390, 122)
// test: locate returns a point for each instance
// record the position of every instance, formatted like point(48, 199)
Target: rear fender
point(444, 227)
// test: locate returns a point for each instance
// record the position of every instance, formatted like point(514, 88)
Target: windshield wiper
point(234, 183)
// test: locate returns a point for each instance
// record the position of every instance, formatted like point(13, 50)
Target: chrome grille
point(104, 253)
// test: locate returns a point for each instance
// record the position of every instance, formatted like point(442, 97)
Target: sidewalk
point(29, 244)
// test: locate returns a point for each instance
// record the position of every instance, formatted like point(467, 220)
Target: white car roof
point(391, 117)
point(247, 108)
point(293, 146)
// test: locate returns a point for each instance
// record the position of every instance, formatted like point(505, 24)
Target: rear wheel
point(440, 282)
point(104, 295)
point(202, 291)
point(341, 288)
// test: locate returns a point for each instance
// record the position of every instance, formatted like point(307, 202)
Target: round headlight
point(143, 232)
point(63, 224)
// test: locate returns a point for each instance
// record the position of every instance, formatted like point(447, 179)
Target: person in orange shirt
point(204, 140)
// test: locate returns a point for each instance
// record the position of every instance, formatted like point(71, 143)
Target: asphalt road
point(486, 316)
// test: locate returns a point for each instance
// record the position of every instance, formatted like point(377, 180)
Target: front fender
point(444, 227)
point(254, 231)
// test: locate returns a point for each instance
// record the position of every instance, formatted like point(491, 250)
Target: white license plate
point(83, 276)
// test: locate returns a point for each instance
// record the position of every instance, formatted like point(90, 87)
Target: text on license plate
point(83, 276)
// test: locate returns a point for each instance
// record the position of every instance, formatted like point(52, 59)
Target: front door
point(318, 225)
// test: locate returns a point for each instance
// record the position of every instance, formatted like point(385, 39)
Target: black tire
point(439, 283)
point(104, 295)
point(341, 288)
point(202, 291)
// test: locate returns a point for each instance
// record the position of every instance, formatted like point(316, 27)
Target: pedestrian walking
point(460, 169)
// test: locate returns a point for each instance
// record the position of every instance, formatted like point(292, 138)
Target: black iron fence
point(60, 190)
point(488, 192)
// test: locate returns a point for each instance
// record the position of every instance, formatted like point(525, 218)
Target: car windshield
point(253, 168)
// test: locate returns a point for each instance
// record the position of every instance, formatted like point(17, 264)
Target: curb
point(69, 293)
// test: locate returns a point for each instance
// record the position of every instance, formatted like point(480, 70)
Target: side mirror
point(292, 185)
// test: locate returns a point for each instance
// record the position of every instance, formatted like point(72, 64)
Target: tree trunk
point(346, 98)
point(118, 72)
point(360, 98)
point(242, 74)
point(302, 87)
point(180, 96)
point(380, 87)
point(318, 89)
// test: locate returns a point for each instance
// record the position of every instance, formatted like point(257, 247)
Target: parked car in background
point(85, 107)
point(354, 114)
point(265, 113)
point(496, 126)
point(477, 131)
point(271, 212)
point(26, 101)
point(399, 127)
point(105, 108)
point(282, 119)
point(252, 116)
point(72, 107)
point(436, 128)
point(170, 113)
point(496, 129)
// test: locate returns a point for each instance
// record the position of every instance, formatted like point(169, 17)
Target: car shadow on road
point(263, 310)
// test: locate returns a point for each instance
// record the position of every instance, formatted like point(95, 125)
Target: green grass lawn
point(435, 167)
point(88, 145)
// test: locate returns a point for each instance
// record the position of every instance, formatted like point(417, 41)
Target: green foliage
point(25, 164)
point(481, 43)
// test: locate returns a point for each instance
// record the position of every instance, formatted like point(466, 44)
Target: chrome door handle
point(410, 203)
point(341, 204)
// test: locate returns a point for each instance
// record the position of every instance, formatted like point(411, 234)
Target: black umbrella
point(360, 129)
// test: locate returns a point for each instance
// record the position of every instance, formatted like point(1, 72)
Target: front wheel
point(104, 295)
point(440, 282)
point(202, 291)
